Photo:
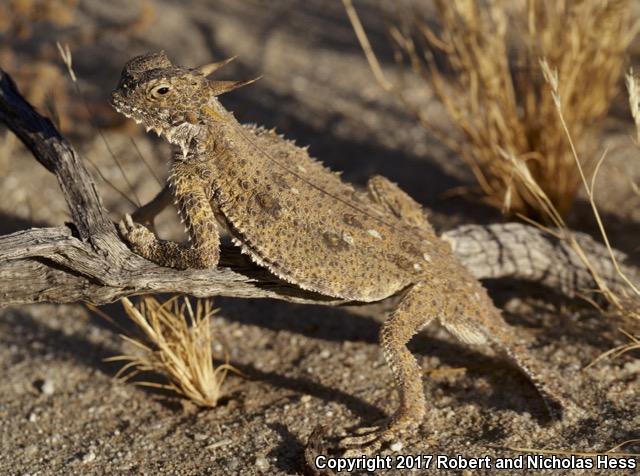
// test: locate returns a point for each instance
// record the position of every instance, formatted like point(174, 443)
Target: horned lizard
point(295, 217)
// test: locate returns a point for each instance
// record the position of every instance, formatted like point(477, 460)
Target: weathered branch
point(50, 264)
point(87, 261)
point(518, 251)
point(53, 151)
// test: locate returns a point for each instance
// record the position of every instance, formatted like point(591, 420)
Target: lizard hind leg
point(407, 319)
point(477, 321)
point(396, 201)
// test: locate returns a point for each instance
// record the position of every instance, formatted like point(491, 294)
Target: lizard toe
point(129, 221)
point(364, 450)
point(136, 235)
point(368, 440)
point(367, 430)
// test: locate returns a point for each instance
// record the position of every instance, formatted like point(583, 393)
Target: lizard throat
point(186, 136)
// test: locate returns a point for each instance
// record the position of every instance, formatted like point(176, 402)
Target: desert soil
point(63, 412)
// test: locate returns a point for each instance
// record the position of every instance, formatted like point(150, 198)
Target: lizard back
point(300, 220)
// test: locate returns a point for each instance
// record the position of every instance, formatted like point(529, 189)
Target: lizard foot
point(561, 406)
point(136, 235)
point(368, 440)
point(317, 448)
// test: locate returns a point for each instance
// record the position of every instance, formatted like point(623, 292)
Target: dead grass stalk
point(624, 301)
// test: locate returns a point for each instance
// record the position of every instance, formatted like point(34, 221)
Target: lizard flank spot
point(375, 234)
point(335, 241)
point(269, 203)
point(351, 220)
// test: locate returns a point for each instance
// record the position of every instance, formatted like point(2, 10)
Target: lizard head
point(172, 100)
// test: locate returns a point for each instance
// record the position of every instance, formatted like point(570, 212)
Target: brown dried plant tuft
point(633, 90)
point(520, 122)
point(177, 344)
point(483, 65)
point(626, 301)
point(499, 101)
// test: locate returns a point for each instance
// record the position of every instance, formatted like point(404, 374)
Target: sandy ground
point(62, 411)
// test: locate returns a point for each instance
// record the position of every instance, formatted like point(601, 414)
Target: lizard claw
point(126, 225)
point(365, 430)
point(129, 220)
point(134, 234)
point(367, 440)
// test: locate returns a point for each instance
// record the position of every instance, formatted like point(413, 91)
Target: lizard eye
point(159, 91)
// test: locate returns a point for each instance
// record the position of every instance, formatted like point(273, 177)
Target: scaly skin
point(302, 222)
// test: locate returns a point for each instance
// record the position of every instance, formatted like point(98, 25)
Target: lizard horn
point(211, 68)
point(221, 87)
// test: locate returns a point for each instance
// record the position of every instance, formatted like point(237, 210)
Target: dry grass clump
point(498, 99)
point(177, 344)
point(483, 66)
point(626, 301)
point(522, 118)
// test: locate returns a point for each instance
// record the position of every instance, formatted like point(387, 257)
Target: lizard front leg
point(203, 251)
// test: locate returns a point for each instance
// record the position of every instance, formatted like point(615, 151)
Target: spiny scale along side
point(295, 217)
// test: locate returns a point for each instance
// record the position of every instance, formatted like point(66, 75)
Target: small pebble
point(89, 457)
point(200, 437)
point(219, 444)
point(31, 450)
point(48, 387)
point(397, 446)
point(262, 463)
point(33, 417)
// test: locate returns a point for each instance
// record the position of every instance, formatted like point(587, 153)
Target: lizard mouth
point(180, 133)
point(135, 114)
